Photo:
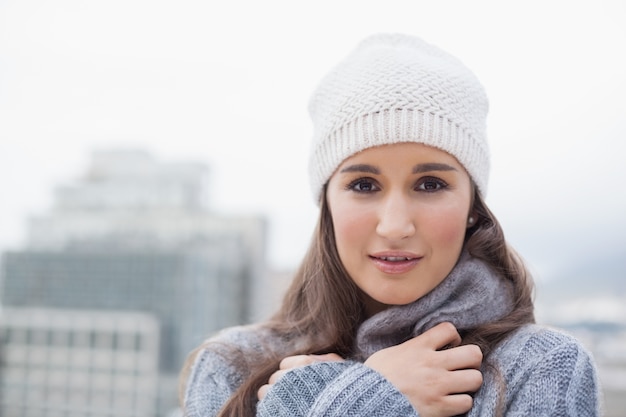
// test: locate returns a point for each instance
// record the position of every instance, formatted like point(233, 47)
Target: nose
point(396, 218)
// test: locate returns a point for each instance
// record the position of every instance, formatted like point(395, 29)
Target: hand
point(433, 371)
point(291, 362)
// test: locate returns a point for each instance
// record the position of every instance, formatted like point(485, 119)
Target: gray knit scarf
point(471, 295)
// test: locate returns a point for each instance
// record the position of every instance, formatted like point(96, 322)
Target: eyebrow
point(362, 168)
point(417, 169)
point(432, 166)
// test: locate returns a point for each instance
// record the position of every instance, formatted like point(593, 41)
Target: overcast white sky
point(228, 83)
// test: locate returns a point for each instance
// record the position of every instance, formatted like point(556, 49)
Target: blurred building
point(136, 235)
point(69, 363)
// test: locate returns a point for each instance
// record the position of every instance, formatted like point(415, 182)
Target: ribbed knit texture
point(545, 372)
point(395, 88)
point(470, 296)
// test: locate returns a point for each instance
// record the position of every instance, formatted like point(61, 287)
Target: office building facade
point(69, 363)
point(136, 235)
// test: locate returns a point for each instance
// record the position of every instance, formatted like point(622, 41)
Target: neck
point(372, 307)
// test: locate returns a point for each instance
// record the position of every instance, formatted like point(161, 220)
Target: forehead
point(398, 153)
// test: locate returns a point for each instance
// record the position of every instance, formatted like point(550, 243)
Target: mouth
point(396, 263)
point(394, 258)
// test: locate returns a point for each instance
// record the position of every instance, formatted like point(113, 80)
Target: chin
point(397, 301)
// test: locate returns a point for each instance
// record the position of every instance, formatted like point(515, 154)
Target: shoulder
point(533, 342)
point(546, 369)
point(250, 337)
point(226, 349)
point(220, 365)
point(534, 347)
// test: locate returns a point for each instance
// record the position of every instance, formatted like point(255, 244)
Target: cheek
point(350, 225)
point(446, 226)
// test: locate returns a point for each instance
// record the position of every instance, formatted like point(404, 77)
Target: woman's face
point(400, 213)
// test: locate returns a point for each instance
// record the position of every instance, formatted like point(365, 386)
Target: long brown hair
point(324, 302)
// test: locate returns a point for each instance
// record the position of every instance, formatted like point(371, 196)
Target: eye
point(430, 184)
point(363, 185)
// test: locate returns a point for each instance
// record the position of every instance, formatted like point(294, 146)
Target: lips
point(395, 258)
point(396, 262)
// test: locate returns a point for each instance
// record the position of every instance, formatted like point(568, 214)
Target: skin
point(399, 201)
point(400, 214)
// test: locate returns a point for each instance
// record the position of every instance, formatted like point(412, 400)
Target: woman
point(409, 301)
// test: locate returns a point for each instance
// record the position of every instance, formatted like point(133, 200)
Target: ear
point(472, 219)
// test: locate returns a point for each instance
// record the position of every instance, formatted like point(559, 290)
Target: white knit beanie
point(396, 88)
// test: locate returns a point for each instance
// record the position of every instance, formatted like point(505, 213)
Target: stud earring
point(470, 220)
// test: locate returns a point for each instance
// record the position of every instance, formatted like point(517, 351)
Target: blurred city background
point(153, 184)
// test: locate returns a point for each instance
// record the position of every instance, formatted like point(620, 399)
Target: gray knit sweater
point(544, 371)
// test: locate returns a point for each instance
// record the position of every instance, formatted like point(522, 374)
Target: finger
point(456, 404)
point(262, 391)
point(296, 361)
point(327, 357)
point(462, 357)
point(440, 336)
point(464, 381)
point(277, 375)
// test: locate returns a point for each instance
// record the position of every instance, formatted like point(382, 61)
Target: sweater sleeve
point(562, 380)
point(211, 383)
point(219, 368)
point(334, 389)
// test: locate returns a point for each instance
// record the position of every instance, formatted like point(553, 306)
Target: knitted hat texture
point(395, 88)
